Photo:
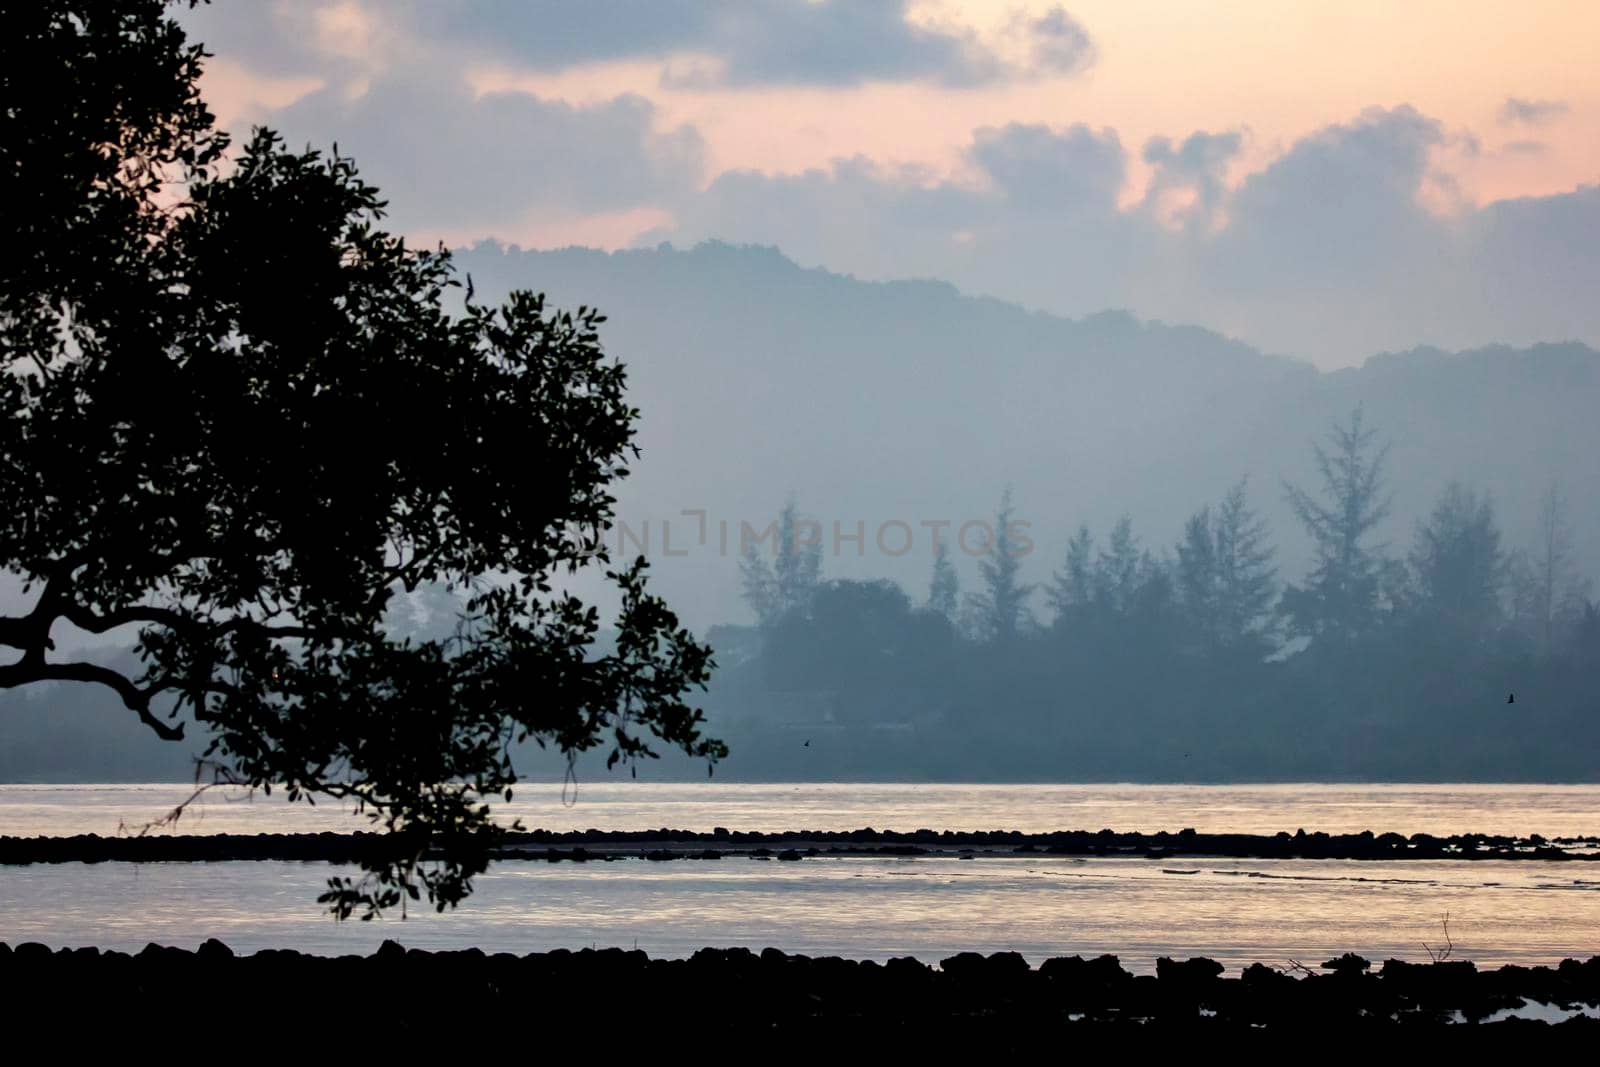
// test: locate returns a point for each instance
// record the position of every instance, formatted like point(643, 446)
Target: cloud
point(1531, 271)
point(836, 43)
point(701, 43)
point(880, 221)
point(448, 160)
point(757, 42)
point(1059, 42)
point(1040, 224)
point(329, 39)
point(1517, 111)
point(1036, 185)
point(1337, 205)
point(1195, 169)
point(1334, 249)
point(1525, 148)
point(1067, 169)
point(1328, 252)
point(272, 38)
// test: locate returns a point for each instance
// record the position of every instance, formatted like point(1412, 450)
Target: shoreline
point(999, 996)
point(791, 845)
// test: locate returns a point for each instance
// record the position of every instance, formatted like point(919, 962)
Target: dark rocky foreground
point(667, 844)
point(624, 1001)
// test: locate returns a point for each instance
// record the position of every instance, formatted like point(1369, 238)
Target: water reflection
point(1238, 911)
point(869, 907)
point(1554, 811)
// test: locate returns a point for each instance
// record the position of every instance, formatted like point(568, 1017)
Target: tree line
point(1200, 659)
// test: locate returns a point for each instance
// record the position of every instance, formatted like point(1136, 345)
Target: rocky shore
point(618, 999)
point(666, 844)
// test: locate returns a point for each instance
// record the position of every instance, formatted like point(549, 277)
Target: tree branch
point(22, 632)
point(138, 700)
point(31, 634)
point(86, 620)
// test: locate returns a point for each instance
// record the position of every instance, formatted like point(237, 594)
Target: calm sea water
point(1235, 911)
point(1552, 810)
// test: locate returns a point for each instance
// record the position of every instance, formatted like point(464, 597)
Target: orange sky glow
point(1274, 71)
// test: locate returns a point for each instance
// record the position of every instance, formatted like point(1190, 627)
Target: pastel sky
point(1322, 179)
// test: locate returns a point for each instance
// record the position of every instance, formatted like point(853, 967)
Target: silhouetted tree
point(1154, 599)
point(1246, 577)
point(1458, 568)
point(860, 637)
point(1340, 599)
point(787, 584)
point(1548, 590)
point(1197, 573)
point(944, 588)
point(1072, 589)
point(1000, 609)
point(798, 566)
point(1225, 576)
point(235, 415)
point(757, 585)
point(1118, 570)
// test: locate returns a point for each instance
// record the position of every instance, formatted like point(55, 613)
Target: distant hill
point(908, 401)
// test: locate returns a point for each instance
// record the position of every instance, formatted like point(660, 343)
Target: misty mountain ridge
point(882, 401)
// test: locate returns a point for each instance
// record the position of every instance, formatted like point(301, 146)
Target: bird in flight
point(1511, 698)
point(807, 744)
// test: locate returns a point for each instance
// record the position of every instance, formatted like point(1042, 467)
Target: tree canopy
point(1225, 576)
point(1459, 568)
point(786, 585)
point(1001, 604)
point(944, 587)
point(239, 417)
point(1340, 600)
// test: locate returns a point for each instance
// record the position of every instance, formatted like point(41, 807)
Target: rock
point(964, 965)
point(1068, 967)
point(154, 953)
point(1260, 975)
point(1107, 969)
point(907, 967)
point(1446, 978)
point(722, 960)
point(1196, 971)
point(212, 950)
point(1349, 963)
point(1008, 965)
point(971, 965)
